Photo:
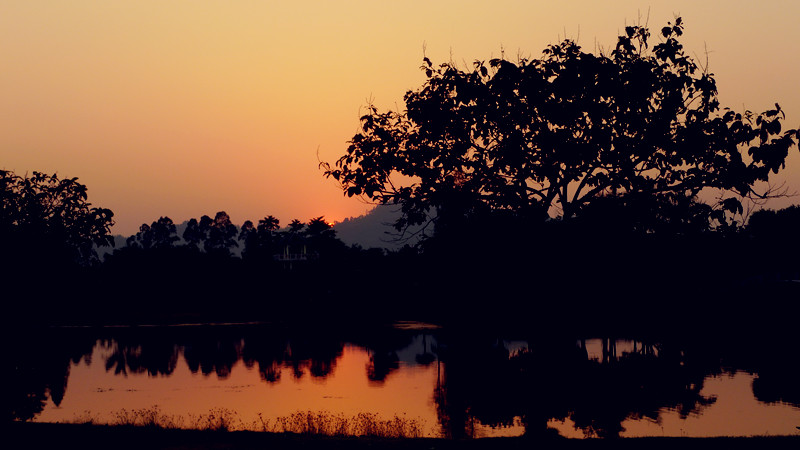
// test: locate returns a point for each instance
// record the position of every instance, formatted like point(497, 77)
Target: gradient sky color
point(185, 108)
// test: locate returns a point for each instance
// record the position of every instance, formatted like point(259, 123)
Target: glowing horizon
point(182, 109)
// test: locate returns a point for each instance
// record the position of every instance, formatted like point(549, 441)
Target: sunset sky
point(185, 108)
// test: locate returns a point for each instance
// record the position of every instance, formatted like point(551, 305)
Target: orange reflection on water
point(94, 392)
point(734, 413)
point(610, 387)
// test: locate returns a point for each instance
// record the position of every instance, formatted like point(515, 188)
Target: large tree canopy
point(44, 216)
point(567, 134)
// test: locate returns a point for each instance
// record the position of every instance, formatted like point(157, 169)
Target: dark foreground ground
point(42, 435)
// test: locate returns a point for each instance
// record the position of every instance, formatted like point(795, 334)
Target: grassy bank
point(42, 435)
point(318, 423)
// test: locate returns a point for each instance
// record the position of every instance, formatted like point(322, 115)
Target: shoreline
point(50, 435)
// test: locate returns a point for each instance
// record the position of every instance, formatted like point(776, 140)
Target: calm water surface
point(455, 384)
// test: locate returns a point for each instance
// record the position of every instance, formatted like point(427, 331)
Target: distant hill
point(374, 229)
point(119, 242)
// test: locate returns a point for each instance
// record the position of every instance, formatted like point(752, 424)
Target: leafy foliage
point(261, 241)
point(161, 234)
point(220, 233)
point(781, 225)
point(47, 215)
point(566, 134)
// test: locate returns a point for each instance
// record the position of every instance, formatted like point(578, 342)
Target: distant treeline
point(586, 272)
point(221, 271)
point(216, 271)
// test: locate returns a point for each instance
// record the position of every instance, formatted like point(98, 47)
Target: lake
point(429, 380)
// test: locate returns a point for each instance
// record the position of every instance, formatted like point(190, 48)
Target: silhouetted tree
point(781, 224)
point(249, 236)
point(46, 217)
point(48, 234)
point(321, 238)
point(295, 226)
point(559, 134)
point(260, 241)
point(192, 234)
point(293, 243)
point(268, 224)
point(220, 233)
point(142, 239)
point(774, 243)
point(160, 234)
point(267, 227)
point(319, 227)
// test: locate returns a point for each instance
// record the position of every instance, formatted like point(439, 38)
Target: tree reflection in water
point(39, 370)
point(558, 380)
point(596, 384)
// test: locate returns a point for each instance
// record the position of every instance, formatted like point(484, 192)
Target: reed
point(218, 419)
point(321, 423)
point(151, 417)
point(87, 418)
point(362, 424)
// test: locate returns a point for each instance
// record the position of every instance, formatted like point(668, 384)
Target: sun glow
point(172, 109)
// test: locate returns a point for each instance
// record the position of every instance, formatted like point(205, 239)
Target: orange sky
point(185, 108)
